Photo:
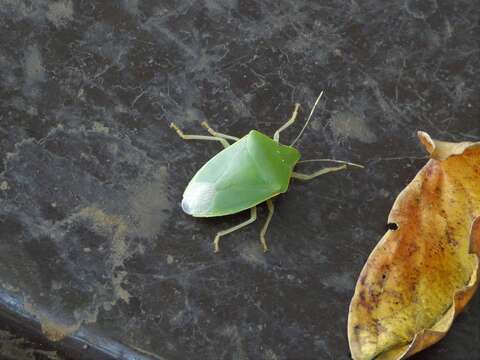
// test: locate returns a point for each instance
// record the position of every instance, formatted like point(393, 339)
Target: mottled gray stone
point(93, 243)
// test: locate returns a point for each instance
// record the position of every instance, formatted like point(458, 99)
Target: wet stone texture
point(93, 243)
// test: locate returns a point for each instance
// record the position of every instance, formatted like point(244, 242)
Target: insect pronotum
point(252, 170)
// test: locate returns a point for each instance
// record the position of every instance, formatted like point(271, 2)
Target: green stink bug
point(254, 169)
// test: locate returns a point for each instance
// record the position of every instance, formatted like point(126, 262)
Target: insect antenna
point(308, 119)
point(332, 160)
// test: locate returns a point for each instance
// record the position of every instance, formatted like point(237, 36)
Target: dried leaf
point(420, 276)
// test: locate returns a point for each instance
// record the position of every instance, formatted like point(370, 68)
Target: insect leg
point(198, 137)
point(253, 217)
point(301, 176)
point(217, 134)
point(271, 208)
point(290, 121)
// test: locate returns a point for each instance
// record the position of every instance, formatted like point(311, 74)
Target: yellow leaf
point(420, 276)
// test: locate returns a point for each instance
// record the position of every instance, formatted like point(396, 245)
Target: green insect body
point(252, 170)
point(247, 173)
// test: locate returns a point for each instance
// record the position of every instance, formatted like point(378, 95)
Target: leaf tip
point(442, 150)
point(426, 141)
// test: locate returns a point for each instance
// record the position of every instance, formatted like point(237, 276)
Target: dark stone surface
point(92, 240)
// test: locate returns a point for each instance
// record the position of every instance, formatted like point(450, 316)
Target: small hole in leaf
point(392, 226)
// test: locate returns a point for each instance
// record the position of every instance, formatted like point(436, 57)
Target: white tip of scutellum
point(198, 198)
point(186, 207)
